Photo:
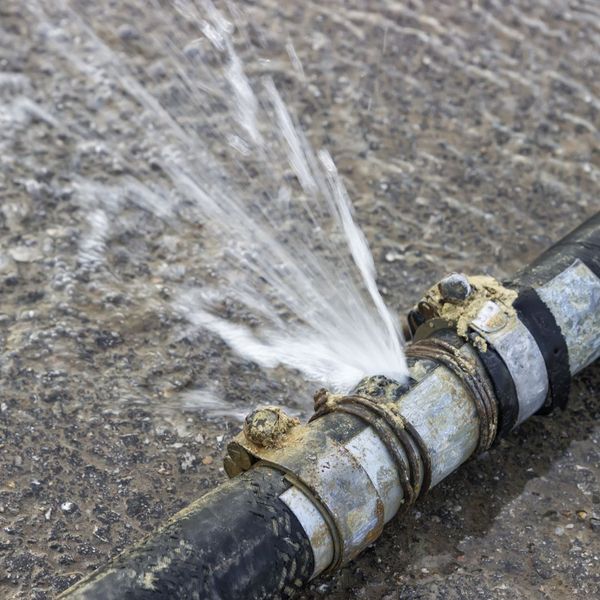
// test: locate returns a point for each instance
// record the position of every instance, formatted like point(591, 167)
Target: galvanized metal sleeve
point(338, 484)
point(573, 297)
point(520, 352)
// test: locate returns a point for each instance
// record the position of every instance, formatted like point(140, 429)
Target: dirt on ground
point(468, 136)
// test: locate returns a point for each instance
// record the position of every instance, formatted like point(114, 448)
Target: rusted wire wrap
point(398, 435)
point(467, 371)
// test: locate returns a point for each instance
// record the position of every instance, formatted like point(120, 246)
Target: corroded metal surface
point(343, 504)
point(461, 312)
point(487, 316)
point(334, 480)
point(473, 378)
point(369, 450)
point(443, 412)
point(574, 299)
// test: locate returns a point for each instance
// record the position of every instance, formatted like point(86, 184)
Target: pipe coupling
point(325, 471)
point(485, 312)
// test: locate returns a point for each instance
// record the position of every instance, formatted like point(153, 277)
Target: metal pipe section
point(307, 499)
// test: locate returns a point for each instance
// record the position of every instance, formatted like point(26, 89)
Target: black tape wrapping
point(504, 388)
point(542, 325)
point(581, 244)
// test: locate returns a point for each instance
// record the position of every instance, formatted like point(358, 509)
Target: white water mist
point(291, 252)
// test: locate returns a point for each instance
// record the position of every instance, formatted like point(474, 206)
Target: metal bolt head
point(455, 287)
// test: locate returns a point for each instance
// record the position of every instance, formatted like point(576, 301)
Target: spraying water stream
point(289, 251)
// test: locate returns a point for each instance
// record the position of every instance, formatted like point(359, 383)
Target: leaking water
point(287, 250)
point(467, 135)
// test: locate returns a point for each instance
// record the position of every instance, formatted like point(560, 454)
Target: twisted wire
point(467, 371)
point(398, 436)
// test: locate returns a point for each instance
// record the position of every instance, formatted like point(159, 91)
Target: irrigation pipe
point(303, 500)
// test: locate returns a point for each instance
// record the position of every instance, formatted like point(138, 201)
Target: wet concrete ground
point(467, 134)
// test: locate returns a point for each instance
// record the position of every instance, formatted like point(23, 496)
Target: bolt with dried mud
point(267, 425)
point(455, 287)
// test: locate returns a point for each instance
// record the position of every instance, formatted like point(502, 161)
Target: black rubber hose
point(582, 243)
point(239, 541)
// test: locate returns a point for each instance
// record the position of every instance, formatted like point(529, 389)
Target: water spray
point(305, 500)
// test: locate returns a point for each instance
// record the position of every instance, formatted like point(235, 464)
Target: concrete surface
point(467, 133)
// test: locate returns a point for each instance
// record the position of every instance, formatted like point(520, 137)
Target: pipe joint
point(324, 471)
point(489, 318)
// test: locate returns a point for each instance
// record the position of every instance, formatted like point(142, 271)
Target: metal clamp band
point(466, 371)
point(332, 478)
point(520, 353)
point(394, 431)
point(503, 386)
